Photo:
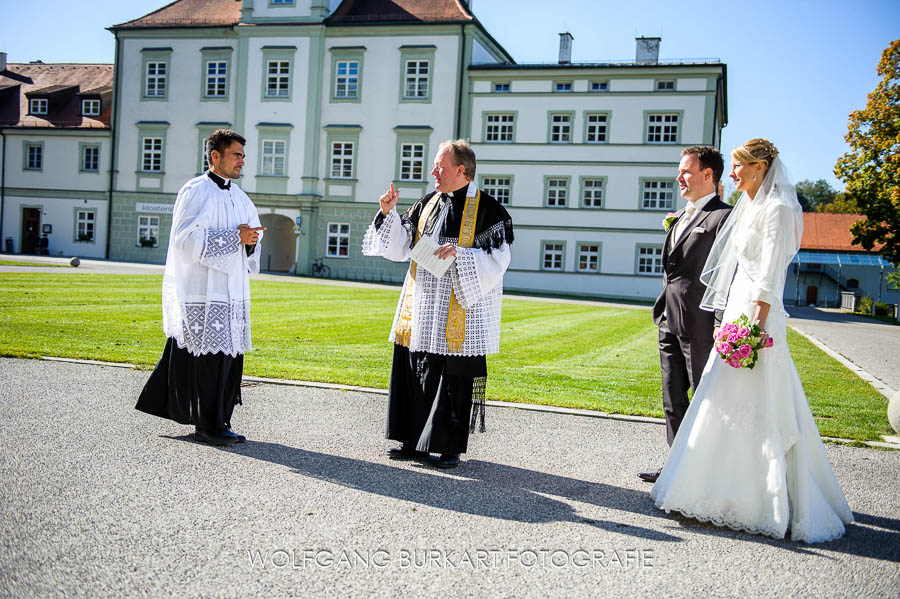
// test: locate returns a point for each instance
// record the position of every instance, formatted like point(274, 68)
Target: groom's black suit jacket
point(682, 266)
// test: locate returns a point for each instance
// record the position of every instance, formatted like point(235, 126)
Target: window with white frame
point(501, 87)
point(155, 79)
point(84, 225)
point(593, 193)
point(553, 255)
point(596, 129)
point(557, 192)
point(282, 2)
point(588, 257)
point(342, 160)
point(499, 127)
point(90, 107)
point(346, 80)
point(658, 194)
point(412, 162)
point(416, 79)
point(90, 158)
point(560, 128)
point(649, 260)
point(216, 78)
point(278, 78)
point(662, 128)
point(338, 240)
point(599, 86)
point(562, 86)
point(204, 157)
point(148, 230)
point(665, 85)
point(273, 157)
point(151, 157)
point(497, 187)
point(37, 106)
point(34, 157)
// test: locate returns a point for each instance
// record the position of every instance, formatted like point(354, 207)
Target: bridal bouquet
point(739, 341)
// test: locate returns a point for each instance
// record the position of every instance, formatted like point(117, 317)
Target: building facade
point(55, 150)
point(339, 102)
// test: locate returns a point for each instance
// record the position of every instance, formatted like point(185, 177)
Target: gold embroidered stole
point(456, 316)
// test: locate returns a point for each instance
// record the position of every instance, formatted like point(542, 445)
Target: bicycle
point(319, 269)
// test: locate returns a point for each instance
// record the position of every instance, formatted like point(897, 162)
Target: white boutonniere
point(668, 220)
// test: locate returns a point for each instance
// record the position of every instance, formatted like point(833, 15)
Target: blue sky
point(796, 68)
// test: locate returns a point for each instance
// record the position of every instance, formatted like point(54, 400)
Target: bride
point(748, 454)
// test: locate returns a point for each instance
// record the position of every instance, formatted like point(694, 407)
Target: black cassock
point(430, 399)
point(198, 390)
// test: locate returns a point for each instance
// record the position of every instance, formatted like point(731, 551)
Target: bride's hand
point(716, 333)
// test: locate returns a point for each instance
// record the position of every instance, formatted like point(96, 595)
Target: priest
point(444, 326)
point(213, 248)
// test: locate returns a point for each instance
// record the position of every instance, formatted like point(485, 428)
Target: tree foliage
point(816, 193)
point(841, 203)
point(871, 170)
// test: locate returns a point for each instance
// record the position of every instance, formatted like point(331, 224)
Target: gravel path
point(99, 500)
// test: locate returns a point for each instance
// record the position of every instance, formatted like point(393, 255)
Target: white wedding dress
point(748, 454)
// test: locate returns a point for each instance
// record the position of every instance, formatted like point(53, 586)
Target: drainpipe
point(114, 117)
point(462, 73)
point(2, 185)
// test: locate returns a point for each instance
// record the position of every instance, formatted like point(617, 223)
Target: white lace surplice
point(206, 287)
point(476, 277)
point(748, 454)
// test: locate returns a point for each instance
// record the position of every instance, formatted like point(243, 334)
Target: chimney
point(2, 61)
point(565, 48)
point(647, 51)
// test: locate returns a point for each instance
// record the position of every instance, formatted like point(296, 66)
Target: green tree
point(842, 203)
point(871, 170)
point(815, 193)
point(733, 197)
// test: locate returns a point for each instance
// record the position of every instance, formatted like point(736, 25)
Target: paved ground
point(871, 344)
point(99, 500)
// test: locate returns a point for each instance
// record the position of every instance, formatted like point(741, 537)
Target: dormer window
point(38, 106)
point(90, 107)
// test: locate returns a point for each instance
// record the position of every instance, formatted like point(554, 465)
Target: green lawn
point(601, 358)
point(27, 263)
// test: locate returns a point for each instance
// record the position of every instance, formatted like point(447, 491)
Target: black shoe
point(649, 477)
point(238, 438)
point(404, 452)
point(446, 461)
point(221, 438)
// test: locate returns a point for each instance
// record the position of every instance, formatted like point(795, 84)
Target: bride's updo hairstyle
point(755, 151)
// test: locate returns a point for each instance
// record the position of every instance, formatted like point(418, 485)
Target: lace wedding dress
point(748, 454)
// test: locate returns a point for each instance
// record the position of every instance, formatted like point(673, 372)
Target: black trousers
point(681, 360)
point(430, 399)
point(198, 390)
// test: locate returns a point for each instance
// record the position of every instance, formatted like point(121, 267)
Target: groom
point(686, 331)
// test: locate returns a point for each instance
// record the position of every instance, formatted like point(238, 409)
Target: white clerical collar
point(699, 204)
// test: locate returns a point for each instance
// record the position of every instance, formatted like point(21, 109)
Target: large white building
point(338, 104)
point(54, 157)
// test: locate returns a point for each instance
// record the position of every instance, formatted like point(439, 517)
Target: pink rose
point(745, 350)
point(769, 342)
point(730, 328)
point(734, 362)
point(733, 338)
point(724, 348)
point(743, 332)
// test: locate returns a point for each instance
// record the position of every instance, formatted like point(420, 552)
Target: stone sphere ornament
point(894, 412)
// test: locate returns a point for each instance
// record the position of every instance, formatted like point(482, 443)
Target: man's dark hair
point(219, 140)
point(709, 157)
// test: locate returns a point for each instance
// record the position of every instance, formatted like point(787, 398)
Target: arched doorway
point(279, 246)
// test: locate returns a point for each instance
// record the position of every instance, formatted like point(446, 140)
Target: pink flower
point(730, 327)
point(734, 362)
point(745, 350)
point(769, 342)
point(733, 338)
point(743, 332)
point(724, 348)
